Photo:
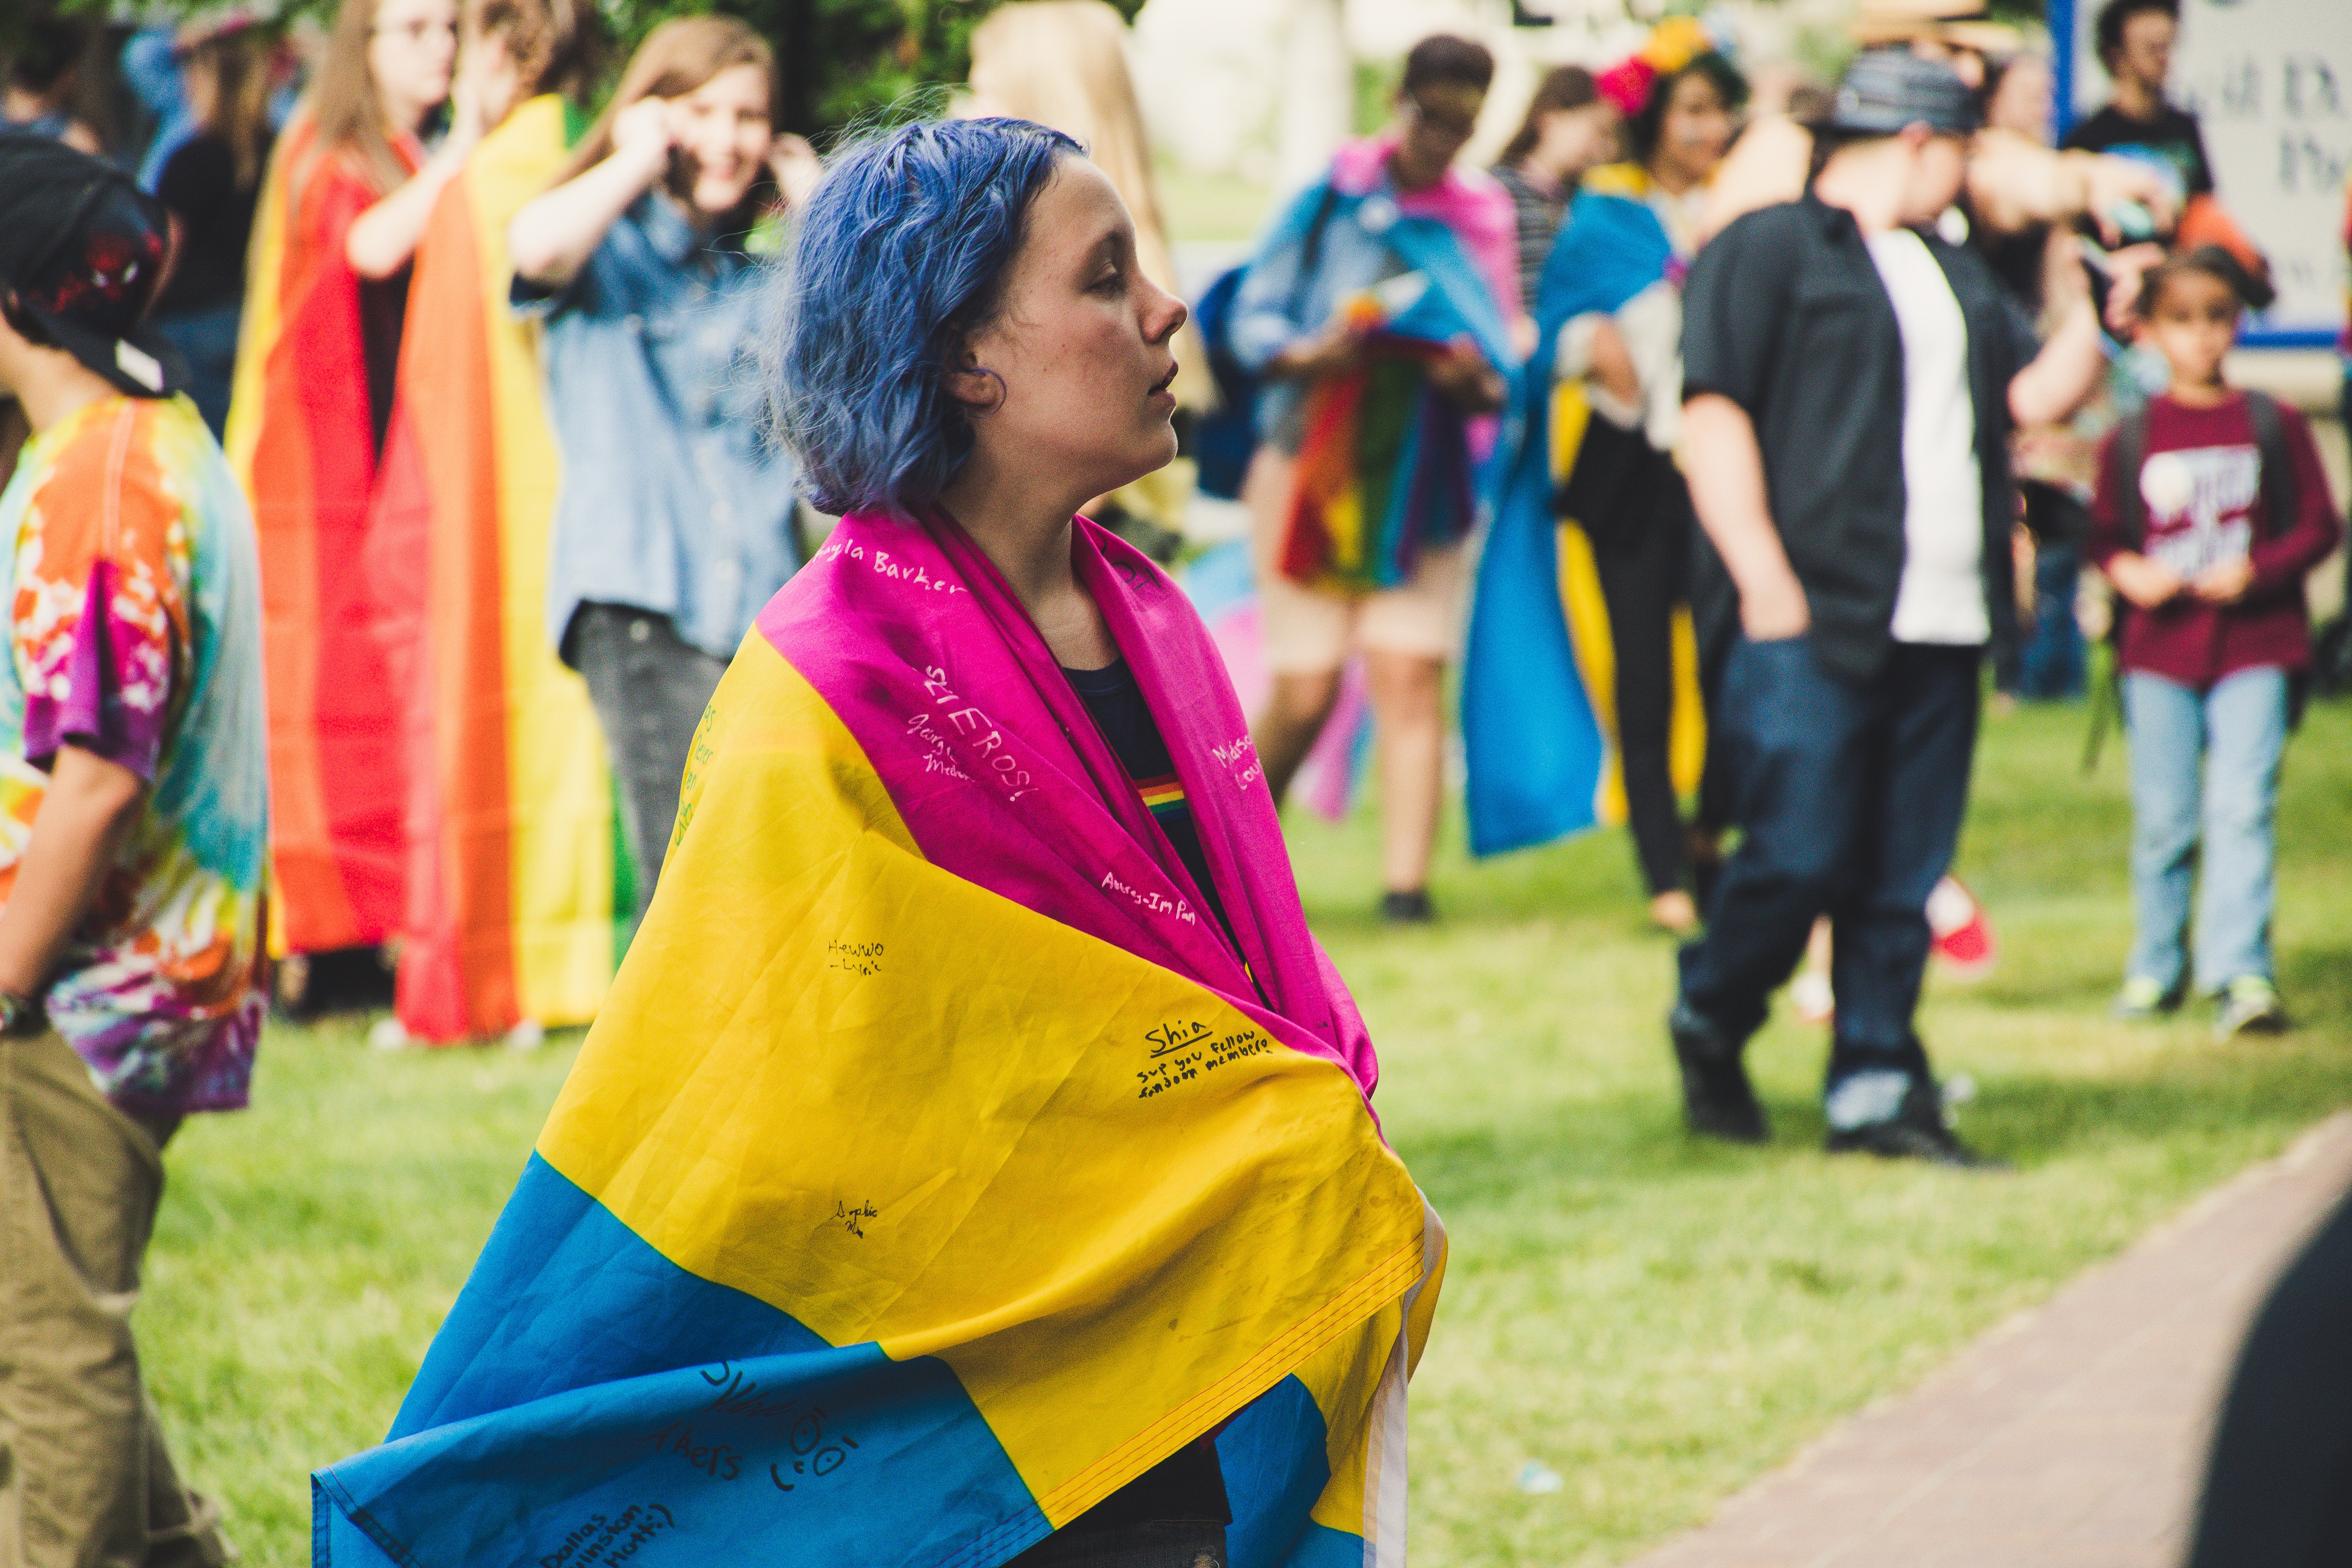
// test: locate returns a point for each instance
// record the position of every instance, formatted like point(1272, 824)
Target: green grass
point(1656, 1321)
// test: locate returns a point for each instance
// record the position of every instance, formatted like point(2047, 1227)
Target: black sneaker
point(1411, 909)
point(1917, 1130)
point(1717, 1100)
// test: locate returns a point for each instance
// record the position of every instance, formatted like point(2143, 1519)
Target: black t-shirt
point(2173, 138)
point(383, 313)
point(1125, 720)
point(199, 186)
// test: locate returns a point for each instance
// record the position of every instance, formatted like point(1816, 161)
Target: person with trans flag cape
point(974, 1160)
point(1580, 697)
point(1378, 311)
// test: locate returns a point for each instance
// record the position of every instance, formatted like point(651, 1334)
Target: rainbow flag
point(301, 442)
point(939, 1164)
point(1540, 676)
point(1385, 462)
point(1384, 468)
point(517, 893)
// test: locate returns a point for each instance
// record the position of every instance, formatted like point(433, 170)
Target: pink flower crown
point(1673, 43)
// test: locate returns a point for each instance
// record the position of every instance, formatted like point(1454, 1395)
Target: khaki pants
point(85, 1479)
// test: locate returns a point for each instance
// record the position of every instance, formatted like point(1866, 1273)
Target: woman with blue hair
point(974, 1163)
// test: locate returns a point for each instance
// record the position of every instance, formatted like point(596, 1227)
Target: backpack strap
point(2126, 459)
point(2280, 500)
point(1310, 252)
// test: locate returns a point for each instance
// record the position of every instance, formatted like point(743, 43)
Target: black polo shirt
point(1785, 314)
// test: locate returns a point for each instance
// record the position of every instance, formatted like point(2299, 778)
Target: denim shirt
point(673, 500)
point(1275, 308)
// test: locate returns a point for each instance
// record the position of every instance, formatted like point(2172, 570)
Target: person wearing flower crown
point(1609, 323)
point(1378, 309)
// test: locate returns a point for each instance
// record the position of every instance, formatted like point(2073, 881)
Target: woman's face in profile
point(1082, 344)
point(411, 53)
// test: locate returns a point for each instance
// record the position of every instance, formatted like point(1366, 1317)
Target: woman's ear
point(979, 389)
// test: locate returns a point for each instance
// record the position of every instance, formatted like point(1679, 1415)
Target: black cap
point(83, 250)
point(1883, 90)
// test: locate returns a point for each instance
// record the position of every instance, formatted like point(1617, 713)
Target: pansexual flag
point(938, 1164)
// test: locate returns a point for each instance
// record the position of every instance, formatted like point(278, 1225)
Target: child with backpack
point(2211, 509)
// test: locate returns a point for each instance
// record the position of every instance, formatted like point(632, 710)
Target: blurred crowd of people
point(1722, 437)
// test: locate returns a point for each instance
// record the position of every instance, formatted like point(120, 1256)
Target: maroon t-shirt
point(2202, 491)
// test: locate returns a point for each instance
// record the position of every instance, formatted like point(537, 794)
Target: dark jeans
point(206, 339)
point(2052, 661)
point(649, 688)
point(1161, 1545)
point(1643, 564)
point(1850, 798)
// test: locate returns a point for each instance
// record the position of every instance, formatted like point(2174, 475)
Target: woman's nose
point(1167, 314)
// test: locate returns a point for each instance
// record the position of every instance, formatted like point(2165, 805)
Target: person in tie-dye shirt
point(133, 848)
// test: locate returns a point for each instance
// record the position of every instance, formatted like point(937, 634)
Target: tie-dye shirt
point(135, 633)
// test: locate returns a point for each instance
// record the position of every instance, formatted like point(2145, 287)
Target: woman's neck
point(403, 116)
point(1670, 177)
point(1025, 534)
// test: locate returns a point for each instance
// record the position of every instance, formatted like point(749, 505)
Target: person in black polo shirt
point(1850, 380)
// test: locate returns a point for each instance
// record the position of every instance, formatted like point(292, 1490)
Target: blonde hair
point(1063, 63)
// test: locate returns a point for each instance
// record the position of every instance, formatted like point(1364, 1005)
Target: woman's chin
point(718, 196)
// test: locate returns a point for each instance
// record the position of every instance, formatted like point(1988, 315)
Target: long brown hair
point(345, 111)
point(677, 58)
point(1562, 87)
point(238, 63)
point(556, 46)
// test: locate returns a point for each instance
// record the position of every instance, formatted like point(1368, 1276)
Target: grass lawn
point(1656, 1321)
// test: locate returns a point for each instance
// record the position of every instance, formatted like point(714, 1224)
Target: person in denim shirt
point(673, 525)
point(1295, 324)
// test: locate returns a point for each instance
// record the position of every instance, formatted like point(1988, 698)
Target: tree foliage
point(843, 60)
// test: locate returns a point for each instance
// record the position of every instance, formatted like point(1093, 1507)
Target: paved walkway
point(2071, 1437)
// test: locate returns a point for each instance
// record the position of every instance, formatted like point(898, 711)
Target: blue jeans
point(2237, 730)
point(1851, 797)
point(2053, 659)
point(206, 339)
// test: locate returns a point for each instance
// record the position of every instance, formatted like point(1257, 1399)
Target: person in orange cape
point(349, 188)
point(511, 889)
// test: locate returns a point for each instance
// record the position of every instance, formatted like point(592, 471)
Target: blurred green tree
point(843, 60)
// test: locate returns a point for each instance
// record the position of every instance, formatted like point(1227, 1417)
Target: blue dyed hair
point(899, 254)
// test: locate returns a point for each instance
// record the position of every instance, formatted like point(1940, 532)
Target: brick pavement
point(2070, 1436)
